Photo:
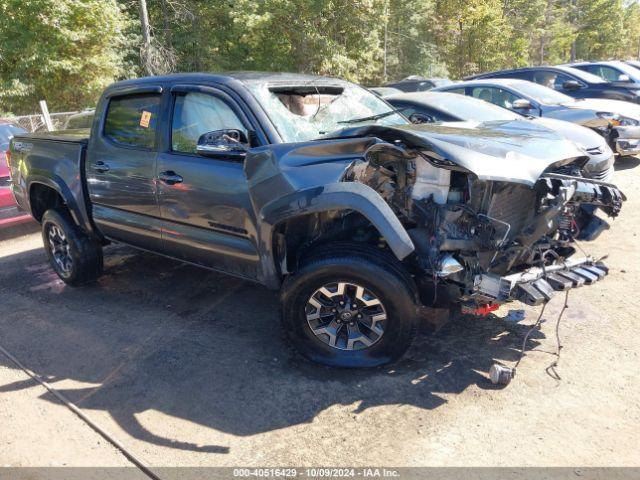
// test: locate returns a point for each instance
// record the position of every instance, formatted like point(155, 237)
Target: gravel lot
point(188, 367)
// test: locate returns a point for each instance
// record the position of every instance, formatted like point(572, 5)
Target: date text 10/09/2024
point(316, 472)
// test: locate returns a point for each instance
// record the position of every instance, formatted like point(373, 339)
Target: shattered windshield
point(305, 112)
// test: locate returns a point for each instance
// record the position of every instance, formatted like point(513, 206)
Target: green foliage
point(63, 51)
point(66, 51)
point(336, 37)
point(423, 37)
point(599, 25)
point(475, 36)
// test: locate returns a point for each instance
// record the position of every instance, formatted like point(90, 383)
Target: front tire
point(75, 256)
point(350, 306)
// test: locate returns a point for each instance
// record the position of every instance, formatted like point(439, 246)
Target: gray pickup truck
point(317, 187)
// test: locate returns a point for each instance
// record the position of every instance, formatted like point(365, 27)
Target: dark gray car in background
point(416, 83)
point(613, 71)
point(573, 82)
point(453, 109)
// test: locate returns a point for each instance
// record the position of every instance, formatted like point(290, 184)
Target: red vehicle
point(10, 213)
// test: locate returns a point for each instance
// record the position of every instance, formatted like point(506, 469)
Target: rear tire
point(75, 256)
point(350, 306)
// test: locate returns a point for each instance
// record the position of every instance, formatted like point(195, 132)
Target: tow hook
point(478, 310)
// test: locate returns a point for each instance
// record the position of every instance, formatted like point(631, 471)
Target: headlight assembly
point(628, 122)
point(613, 118)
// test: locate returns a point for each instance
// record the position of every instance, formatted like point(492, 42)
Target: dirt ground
point(187, 367)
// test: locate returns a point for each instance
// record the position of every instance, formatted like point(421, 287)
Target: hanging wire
point(526, 337)
point(551, 369)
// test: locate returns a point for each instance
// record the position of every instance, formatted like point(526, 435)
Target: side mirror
point(521, 104)
point(571, 85)
point(419, 118)
point(229, 143)
point(624, 78)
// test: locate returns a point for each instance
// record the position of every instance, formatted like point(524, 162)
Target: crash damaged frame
point(468, 225)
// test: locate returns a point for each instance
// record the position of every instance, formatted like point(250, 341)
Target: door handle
point(169, 177)
point(100, 167)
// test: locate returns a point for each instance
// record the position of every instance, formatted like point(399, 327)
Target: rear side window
point(132, 120)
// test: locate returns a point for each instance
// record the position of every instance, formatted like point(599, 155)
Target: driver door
point(204, 202)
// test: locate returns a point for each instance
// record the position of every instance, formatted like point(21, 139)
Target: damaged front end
point(483, 238)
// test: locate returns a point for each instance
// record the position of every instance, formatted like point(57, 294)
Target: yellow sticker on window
point(145, 119)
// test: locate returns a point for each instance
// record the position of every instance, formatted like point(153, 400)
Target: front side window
point(494, 95)
point(550, 79)
point(608, 73)
point(132, 120)
point(197, 113)
point(542, 94)
point(561, 78)
point(468, 109)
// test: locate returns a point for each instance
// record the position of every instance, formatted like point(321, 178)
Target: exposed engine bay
point(486, 241)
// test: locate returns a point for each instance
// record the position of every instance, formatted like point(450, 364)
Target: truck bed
point(53, 159)
point(80, 135)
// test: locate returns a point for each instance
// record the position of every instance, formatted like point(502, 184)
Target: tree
point(411, 40)
point(62, 51)
point(599, 29)
point(335, 37)
point(631, 29)
point(475, 36)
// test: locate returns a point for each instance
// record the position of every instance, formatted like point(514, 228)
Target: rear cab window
point(132, 120)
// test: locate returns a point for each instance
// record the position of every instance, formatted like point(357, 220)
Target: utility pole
point(146, 37)
point(386, 22)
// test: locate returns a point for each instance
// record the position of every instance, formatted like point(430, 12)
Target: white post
point(45, 114)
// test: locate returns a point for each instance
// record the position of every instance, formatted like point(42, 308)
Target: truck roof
point(231, 77)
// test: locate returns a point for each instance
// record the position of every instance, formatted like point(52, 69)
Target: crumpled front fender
point(342, 196)
point(335, 196)
point(290, 180)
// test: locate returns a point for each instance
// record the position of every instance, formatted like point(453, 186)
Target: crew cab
point(319, 188)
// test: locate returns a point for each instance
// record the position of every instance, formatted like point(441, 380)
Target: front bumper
point(627, 140)
point(537, 285)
